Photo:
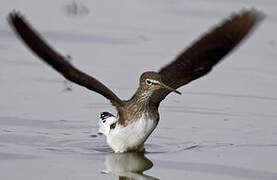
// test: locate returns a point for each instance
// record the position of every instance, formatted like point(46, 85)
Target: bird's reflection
point(128, 165)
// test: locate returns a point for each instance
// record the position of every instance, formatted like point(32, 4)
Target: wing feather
point(60, 63)
point(202, 55)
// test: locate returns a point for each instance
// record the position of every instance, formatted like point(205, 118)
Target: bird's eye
point(104, 121)
point(148, 82)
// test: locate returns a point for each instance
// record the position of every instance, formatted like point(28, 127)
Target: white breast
point(131, 137)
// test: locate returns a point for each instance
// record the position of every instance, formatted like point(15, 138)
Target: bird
point(138, 116)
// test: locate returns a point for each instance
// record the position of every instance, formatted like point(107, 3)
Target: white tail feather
point(105, 124)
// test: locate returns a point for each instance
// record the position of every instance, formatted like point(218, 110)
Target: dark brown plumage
point(193, 63)
point(202, 55)
point(56, 60)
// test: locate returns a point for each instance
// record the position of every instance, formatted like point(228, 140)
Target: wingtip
point(14, 16)
point(252, 13)
point(256, 14)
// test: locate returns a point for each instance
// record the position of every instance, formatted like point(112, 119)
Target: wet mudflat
point(223, 126)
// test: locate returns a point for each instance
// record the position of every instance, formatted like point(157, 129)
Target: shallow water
point(223, 126)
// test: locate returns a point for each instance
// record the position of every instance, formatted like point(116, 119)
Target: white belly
point(131, 137)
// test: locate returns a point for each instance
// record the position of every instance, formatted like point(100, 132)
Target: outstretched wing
point(201, 56)
point(60, 63)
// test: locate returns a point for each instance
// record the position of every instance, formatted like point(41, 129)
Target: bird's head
point(151, 81)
